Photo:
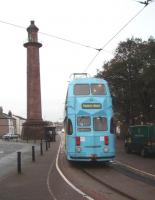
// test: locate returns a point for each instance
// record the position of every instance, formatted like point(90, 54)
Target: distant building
point(19, 124)
point(7, 123)
point(58, 125)
point(10, 123)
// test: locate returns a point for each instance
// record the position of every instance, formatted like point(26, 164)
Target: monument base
point(34, 130)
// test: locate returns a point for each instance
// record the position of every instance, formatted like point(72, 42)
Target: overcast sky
point(89, 22)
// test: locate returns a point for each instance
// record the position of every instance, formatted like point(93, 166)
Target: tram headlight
point(78, 149)
point(106, 149)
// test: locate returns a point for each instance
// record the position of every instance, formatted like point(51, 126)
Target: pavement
point(31, 184)
point(139, 164)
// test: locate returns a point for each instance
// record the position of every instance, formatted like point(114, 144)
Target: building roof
point(4, 116)
point(19, 117)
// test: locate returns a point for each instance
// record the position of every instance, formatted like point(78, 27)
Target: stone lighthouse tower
point(34, 126)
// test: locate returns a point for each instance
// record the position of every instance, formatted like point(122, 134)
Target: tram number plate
point(91, 106)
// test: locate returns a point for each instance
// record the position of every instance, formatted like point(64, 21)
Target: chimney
point(34, 111)
point(34, 124)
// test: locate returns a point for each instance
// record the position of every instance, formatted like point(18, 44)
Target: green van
point(140, 139)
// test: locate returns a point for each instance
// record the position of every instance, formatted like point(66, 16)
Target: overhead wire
point(51, 35)
point(67, 40)
point(78, 43)
point(11, 24)
point(101, 49)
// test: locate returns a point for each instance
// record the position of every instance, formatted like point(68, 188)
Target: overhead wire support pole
point(112, 39)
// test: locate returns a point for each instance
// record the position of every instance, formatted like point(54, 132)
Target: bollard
point(54, 137)
point(41, 148)
point(19, 162)
point(46, 146)
point(33, 153)
point(49, 144)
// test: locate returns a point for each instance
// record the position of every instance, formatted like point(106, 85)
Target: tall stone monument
point(34, 127)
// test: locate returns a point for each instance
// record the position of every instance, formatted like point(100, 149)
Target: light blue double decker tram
point(89, 134)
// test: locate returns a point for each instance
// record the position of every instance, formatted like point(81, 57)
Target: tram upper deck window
point(81, 89)
point(83, 121)
point(98, 89)
point(100, 124)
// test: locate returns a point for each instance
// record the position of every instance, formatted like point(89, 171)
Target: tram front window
point(98, 89)
point(81, 89)
point(100, 124)
point(83, 121)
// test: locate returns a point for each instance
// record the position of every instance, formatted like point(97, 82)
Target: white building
point(19, 124)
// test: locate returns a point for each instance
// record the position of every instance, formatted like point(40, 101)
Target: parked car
point(9, 136)
point(141, 139)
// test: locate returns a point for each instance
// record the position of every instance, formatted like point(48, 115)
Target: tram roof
point(87, 80)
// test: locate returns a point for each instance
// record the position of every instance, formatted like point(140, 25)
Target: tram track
point(145, 176)
point(134, 173)
point(113, 181)
point(121, 180)
point(117, 168)
point(104, 183)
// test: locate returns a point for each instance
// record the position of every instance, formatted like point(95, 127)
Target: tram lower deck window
point(100, 124)
point(83, 121)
